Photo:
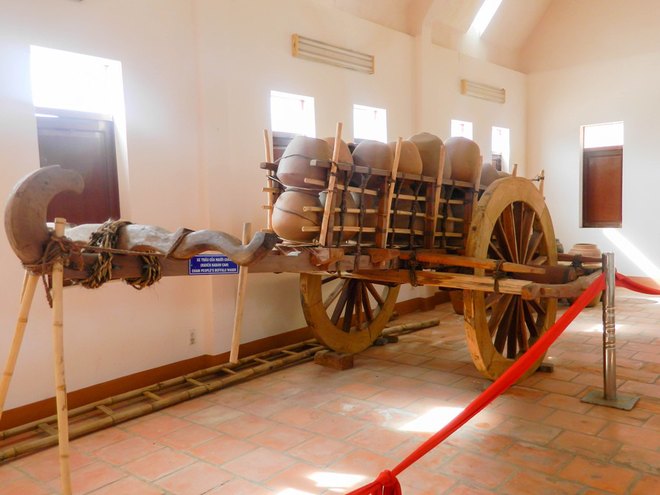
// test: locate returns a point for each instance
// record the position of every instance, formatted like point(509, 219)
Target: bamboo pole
point(27, 295)
point(270, 184)
point(240, 302)
point(325, 239)
point(58, 355)
point(390, 194)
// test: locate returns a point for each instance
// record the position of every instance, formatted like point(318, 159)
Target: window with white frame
point(369, 123)
point(461, 128)
point(500, 148)
point(292, 114)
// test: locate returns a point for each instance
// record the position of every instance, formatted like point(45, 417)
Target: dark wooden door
point(602, 180)
point(86, 145)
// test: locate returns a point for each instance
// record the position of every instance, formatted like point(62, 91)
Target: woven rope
point(106, 238)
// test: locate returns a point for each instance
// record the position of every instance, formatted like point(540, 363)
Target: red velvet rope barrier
point(387, 483)
point(628, 283)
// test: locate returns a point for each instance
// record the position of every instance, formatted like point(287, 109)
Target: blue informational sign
point(211, 264)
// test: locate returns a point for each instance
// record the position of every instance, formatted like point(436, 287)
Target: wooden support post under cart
point(240, 301)
point(58, 356)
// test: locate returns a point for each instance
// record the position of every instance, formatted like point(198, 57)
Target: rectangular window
point(602, 175)
point(292, 114)
point(369, 123)
point(461, 128)
point(500, 148)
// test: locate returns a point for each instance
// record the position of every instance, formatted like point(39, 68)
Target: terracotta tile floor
point(312, 430)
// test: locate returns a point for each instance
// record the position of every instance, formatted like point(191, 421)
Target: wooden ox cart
point(496, 244)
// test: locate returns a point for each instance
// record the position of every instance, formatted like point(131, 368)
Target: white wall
point(197, 78)
point(580, 78)
point(439, 99)
point(114, 331)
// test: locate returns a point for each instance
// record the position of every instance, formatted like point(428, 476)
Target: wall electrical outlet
point(193, 337)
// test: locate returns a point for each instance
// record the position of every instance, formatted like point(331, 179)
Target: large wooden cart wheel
point(346, 314)
point(511, 223)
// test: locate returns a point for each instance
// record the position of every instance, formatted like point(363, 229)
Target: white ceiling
point(448, 22)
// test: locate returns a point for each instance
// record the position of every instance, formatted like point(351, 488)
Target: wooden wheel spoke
point(503, 328)
point(497, 251)
point(372, 290)
point(368, 313)
point(530, 320)
point(508, 223)
point(512, 331)
point(341, 303)
point(498, 312)
point(329, 279)
point(522, 328)
point(358, 305)
point(538, 261)
point(334, 294)
point(526, 231)
point(350, 304)
point(491, 299)
point(536, 306)
point(533, 246)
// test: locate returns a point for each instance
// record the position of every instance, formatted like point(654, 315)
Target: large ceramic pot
point(488, 174)
point(344, 151)
point(465, 158)
point(289, 216)
point(429, 147)
point(410, 161)
point(373, 154)
point(585, 249)
point(295, 166)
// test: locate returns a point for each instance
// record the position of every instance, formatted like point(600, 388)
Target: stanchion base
point(625, 402)
point(546, 367)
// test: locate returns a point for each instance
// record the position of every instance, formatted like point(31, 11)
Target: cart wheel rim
point(511, 223)
point(346, 314)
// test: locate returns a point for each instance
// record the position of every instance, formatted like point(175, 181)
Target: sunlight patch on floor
point(432, 420)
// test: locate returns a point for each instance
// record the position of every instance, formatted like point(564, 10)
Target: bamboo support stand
point(27, 295)
point(58, 355)
point(240, 302)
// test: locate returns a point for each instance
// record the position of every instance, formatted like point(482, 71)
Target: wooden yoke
point(28, 232)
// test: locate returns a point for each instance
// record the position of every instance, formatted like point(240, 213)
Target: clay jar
point(410, 161)
point(289, 217)
point(344, 152)
point(429, 147)
point(373, 154)
point(489, 174)
point(465, 158)
point(585, 249)
point(295, 166)
point(350, 219)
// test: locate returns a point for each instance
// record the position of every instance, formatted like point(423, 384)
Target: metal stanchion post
point(609, 396)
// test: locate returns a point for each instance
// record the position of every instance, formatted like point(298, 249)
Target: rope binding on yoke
point(106, 237)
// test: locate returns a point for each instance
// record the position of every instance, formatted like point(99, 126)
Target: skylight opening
point(484, 16)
